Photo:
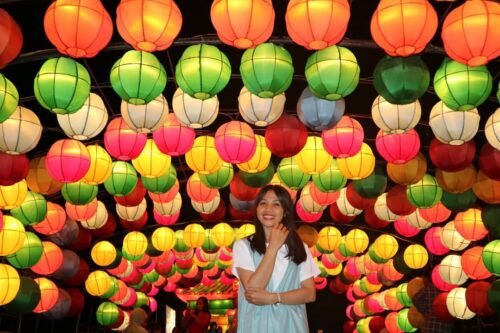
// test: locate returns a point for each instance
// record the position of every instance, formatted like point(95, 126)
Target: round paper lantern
point(135, 243)
point(476, 296)
point(266, 70)
point(277, 136)
point(492, 129)
point(385, 246)
point(403, 321)
point(13, 196)
point(260, 159)
point(148, 25)
point(408, 173)
point(308, 216)
point(134, 198)
point(291, 175)
point(440, 309)
point(416, 256)
point(138, 77)
point(398, 148)
point(470, 224)
point(332, 73)
point(23, 130)
point(403, 27)
point(202, 71)
point(397, 202)
point(491, 257)
point(79, 193)
point(173, 138)
point(222, 234)
point(417, 221)
point(131, 213)
point(468, 34)
point(218, 179)
point(9, 97)
point(107, 313)
point(169, 208)
point(193, 112)
point(194, 235)
point(453, 127)
point(451, 158)
point(77, 302)
point(53, 221)
point(457, 182)
point(404, 228)
point(343, 204)
point(50, 261)
point(319, 114)
point(26, 298)
point(437, 214)
point(98, 219)
point(69, 266)
point(103, 253)
point(462, 87)
point(356, 241)
point(395, 118)
point(452, 239)
point(67, 234)
point(235, 142)
point(329, 238)
point(358, 166)
point(28, 254)
point(323, 198)
point(260, 111)
point(450, 270)
point(487, 189)
point(78, 28)
point(67, 160)
point(391, 323)
point(371, 186)
point(10, 283)
point(373, 220)
point(434, 243)
point(472, 263)
point(198, 191)
point(12, 38)
point(490, 215)
point(344, 139)
point(457, 305)
point(162, 188)
point(489, 161)
point(122, 142)
point(100, 165)
point(97, 283)
point(12, 235)
point(123, 179)
point(32, 210)
point(243, 25)
point(151, 162)
point(203, 157)
point(145, 118)
point(163, 239)
point(61, 308)
point(425, 193)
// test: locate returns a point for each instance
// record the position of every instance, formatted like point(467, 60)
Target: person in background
point(275, 269)
point(197, 320)
point(213, 327)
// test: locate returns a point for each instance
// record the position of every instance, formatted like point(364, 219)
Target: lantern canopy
point(260, 111)
point(319, 114)
point(21, 132)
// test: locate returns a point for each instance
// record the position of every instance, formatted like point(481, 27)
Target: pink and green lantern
point(123, 179)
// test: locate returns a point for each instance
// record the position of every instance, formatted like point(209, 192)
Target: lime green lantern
point(220, 178)
point(258, 179)
point(180, 245)
point(32, 210)
point(425, 193)
point(107, 313)
point(402, 295)
point(123, 179)
point(162, 183)
point(401, 80)
point(462, 87)
point(332, 73)
point(138, 77)
point(403, 322)
point(113, 288)
point(491, 256)
point(208, 244)
point(266, 70)
point(29, 254)
point(373, 185)
point(9, 98)
point(151, 277)
point(459, 202)
point(331, 179)
point(375, 257)
point(62, 85)
point(79, 193)
point(142, 299)
point(291, 175)
point(202, 71)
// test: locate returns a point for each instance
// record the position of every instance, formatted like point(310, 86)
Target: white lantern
point(99, 219)
point(206, 207)
point(382, 211)
point(193, 112)
point(452, 239)
point(171, 207)
point(394, 118)
point(416, 220)
point(147, 117)
point(20, 132)
point(453, 127)
point(457, 304)
point(345, 206)
point(308, 203)
point(260, 111)
point(87, 122)
point(132, 213)
point(492, 129)
point(451, 270)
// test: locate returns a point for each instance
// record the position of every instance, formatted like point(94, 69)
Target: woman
point(275, 269)
point(197, 321)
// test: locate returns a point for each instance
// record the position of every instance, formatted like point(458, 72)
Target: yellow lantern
point(245, 230)
point(163, 239)
point(39, 180)
point(97, 283)
point(101, 165)
point(385, 246)
point(260, 159)
point(203, 157)
point(151, 162)
point(222, 234)
point(9, 283)
point(408, 173)
point(171, 207)
point(416, 256)
point(135, 243)
point(329, 238)
point(103, 253)
point(313, 158)
point(12, 235)
point(356, 241)
point(194, 235)
point(457, 182)
point(487, 189)
point(359, 166)
point(13, 196)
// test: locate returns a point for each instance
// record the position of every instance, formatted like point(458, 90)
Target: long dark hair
point(205, 305)
point(296, 251)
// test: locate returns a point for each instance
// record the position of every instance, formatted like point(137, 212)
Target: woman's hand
point(279, 233)
point(259, 296)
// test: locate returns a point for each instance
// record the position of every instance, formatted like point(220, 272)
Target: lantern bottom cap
point(333, 97)
point(405, 51)
point(136, 101)
point(261, 123)
point(76, 52)
point(266, 94)
point(243, 43)
point(456, 142)
point(146, 46)
point(477, 61)
point(62, 111)
point(201, 95)
point(317, 45)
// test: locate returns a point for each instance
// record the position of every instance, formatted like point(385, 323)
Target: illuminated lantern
point(192, 112)
point(385, 246)
point(391, 322)
point(452, 239)
point(53, 222)
point(457, 305)
point(359, 166)
point(108, 314)
point(165, 186)
point(134, 198)
point(203, 157)
point(291, 175)
point(67, 161)
point(453, 127)
point(135, 243)
point(198, 191)
point(373, 220)
point(416, 256)
point(487, 189)
point(9, 96)
point(147, 117)
point(395, 118)
point(79, 193)
point(21, 132)
point(97, 283)
point(222, 234)
point(343, 204)
point(28, 254)
point(472, 263)
point(279, 133)
point(305, 216)
point(138, 77)
point(491, 256)
point(131, 213)
point(166, 219)
point(417, 221)
point(260, 111)
point(100, 165)
point(103, 253)
point(490, 215)
point(398, 148)
point(450, 270)
point(266, 70)
point(163, 239)
point(337, 215)
point(218, 179)
point(123, 179)
point(32, 210)
point(397, 202)
point(425, 193)
point(50, 261)
point(322, 198)
point(319, 114)
point(27, 296)
point(476, 296)
point(434, 243)
point(489, 161)
point(173, 138)
point(332, 73)
point(242, 191)
point(194, 235)
point(12, 38)
point(408, 173)
point(329, 238)
point(122, 142)
point(462, 87)
point(382, 211)
point(169, 208)
point(403, 27)
point(438, 282)
point(436, 214)
point(148, 25)
point(97, 220)
point(235, 142)
point(404, 228)
point(14, 195)
point(371, 186)
point(457, 182)
point(344, 139)
point(49, 294)
point(492, 129)
point(151, 162)
point(356, 241)
point(470, 224)
point(468, 34)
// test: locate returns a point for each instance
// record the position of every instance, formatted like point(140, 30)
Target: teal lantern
point(402, 295)
point(458, 202)
point(259, 179)
point(462, 87)
point(403, 322)
point(162, 183)
point(220, 178)
point(208, 244)
point(401, 80)
point(425, 193)
point(491, 256)
point(29, 254)
point(123, 179)
point(79, 193)
point(490, 216)
point(373, 185)
point(9, 98)
point(266, 70)
point(332, 73)
point(291, 175)
point(142, 299)
point(32, 210)
point(494, 295)
point(180, 245)
point(62, 85)
point(138, 77)
point(27, 297)
point(107, 313)
point(331, 179)
point(202, 71)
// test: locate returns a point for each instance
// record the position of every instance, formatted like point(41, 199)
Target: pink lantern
point(235, 142)
point(404, 228)
point(438, 281)
point(433, 241)
point(166, 219)
point(122, 142)
point(305, 216)
point(344, 139)
point(436, 214)
point(67, 161)
point(53, 222)
point(173, 138)
point(398, 148)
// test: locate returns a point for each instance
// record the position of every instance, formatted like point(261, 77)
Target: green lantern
point(425, 193)
point(400, 264)
point(403, 322)
point(259, 179)
point(131, 257)
point(266, 70)
point(62, 85)
point(490, 216)
point(9, 98)
point(27, 297)
point(491, 256)
point(322, 250)
point(123, 179)
point(138, 77)
point(373, 256)
point(79, 193)
point(291, 175)
point(202, 71)
point(402, 295)
point(332, 73)
point(180, 245)
point(373, 185)
point(107, 313)
point(32, 210)
point(462, 87)
point(494, 295)
point(160, 184)
point(220, 178)
point(344, 251)
point(458, 202)
point(29, 254)
point(401, 80)
point(113, 288)
point(208, 244)
point(152, 276)
point(331, 179)
point(142, 299)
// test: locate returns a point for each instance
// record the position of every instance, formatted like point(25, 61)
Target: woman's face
point(269, 210)
point(199, 305)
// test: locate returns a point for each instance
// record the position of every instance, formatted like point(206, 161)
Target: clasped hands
point(260, 296)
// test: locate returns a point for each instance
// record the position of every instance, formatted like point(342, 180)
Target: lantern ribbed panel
point(453, 127)
point(49, 294)
point(291, 175)
point(67, 160)
point(51, 260)
point(170, 207)
point(382, 211)
point(206, 207)
point(457, 304)
point(122, 142)
point(277, 136)
point(395, 118)
point(398, 148)
point(260, 111)
point(319, 114)
point(101, 165)
point(198, 191)
point(151, 162)
point(260, 160)
point(452, 239)
point(147, 117)
point(457, 182)
point(193, 112)
point(417, 221)
point(9, 97)
point(358, 166)
point(313, 158)
point(97, 220)
point(235, 142)
point(12, 235)
point(473, 265)
point(131, 213)
point(203, 157)
point(54, 220)
point(13, 196)
point(492, 129)
point(172, 137)
point(344, 206)
point(21, 132)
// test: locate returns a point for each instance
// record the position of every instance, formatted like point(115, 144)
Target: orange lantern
point(11, 38)
point(243, 24)
point(78, 28)
point(469, 224)
point(457, 182)
point(487, 189)
point(409, 172)
point(39, 180)
point(49, 293)
point(403, 27)
point(51, 260)
point(81, 212)
point(198, 191)
point(53, 222)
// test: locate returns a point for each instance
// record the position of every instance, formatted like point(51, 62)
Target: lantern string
point(103, 95)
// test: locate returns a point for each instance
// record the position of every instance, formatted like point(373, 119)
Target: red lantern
point(372, 219)
point(107, 230)
point(122, 142)
point(337, 216)
point(489, 161)
point(403, 27)
point(173, 138)
point(216, 215)
point(241, 190)
point(81, 212)
point(472, 263)
point(198, 191)
point(77, 302)
point(13, 168)
point(11, 38)
point(241, 215)
point(136, 225)
point(235, 142)
point(470, 33)
point(53, 222)
point(134, 198)
point(436, 214)
point(67, 161)
point(279, 133)
point(398, 202)
point(440, 309)
point(476, 297)
point(305, 216)
point(51, 260)
point(398, 148)
point(433, 241)
point(356, 200)
point(451, 158)
point(344, 139)
point(78, 28)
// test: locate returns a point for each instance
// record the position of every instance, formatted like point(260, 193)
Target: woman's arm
point(305, 294)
